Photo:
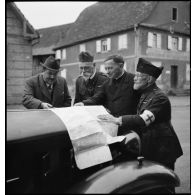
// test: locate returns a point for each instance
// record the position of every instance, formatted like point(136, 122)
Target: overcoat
point(86, 89)
point(159, 140)
point(117, 96)
point(36, 91)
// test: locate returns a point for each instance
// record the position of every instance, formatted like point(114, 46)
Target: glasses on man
point(140, 75)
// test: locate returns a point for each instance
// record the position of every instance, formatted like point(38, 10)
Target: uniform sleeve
point(77, 95)
point(67, 97)
point(97, 98)
point(100, 83)
point(159, 107)
point(29, 101)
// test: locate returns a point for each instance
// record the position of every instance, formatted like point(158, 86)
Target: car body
point(39, 159)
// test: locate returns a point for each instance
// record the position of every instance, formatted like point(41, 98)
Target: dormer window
point(174, 14)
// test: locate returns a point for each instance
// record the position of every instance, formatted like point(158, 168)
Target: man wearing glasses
point(47, 89)
point(152, 122)
point(89, 80)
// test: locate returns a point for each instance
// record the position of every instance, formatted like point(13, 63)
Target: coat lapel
point(121, 86)
point(57, 90)
point(43, 87)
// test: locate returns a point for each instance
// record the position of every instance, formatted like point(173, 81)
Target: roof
point(22, 17)
point(104, 18)
point(49, 37)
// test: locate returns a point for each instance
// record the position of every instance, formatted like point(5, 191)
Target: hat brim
point(57, 70)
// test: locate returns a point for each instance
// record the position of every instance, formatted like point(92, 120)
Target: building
point(20, 37)
point(43, 48)
point(158, 31)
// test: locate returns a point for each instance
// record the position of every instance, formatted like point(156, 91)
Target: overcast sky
point(46, 14)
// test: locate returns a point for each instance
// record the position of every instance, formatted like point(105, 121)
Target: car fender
point(128, 176)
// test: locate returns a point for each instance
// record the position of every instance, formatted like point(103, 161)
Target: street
point(181, 124)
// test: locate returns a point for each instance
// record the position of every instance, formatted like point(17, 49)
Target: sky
point(46, 14)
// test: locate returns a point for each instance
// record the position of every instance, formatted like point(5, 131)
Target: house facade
point(157, 31)
point(20, 36)
point(43, 48)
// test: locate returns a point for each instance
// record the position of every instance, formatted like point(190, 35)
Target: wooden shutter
point(188, 45)
point(158, 40)
point(64, 54)
point(169, 42)
point(58, 54)
point(98, 46)
point(180, 44)
point(108, 44)
point(150, 39)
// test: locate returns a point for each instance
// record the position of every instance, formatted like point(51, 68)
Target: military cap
point(52, 64)
point(85, 56)
point(147, 67)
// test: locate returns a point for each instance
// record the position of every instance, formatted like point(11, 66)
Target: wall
point(19, 58)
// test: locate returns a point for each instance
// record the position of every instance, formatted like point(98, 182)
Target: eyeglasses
point(140, 75)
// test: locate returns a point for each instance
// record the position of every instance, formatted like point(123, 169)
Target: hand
point(110, 118)
point(46, 105)
point(79, 104)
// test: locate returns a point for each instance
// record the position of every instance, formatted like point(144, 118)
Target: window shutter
point(98, 46)
point(82, 47)
point(63, 73)
point(158, 40)
point(180, 44)
point(150, 39)
point(64, 54)
point(188, 45)
point(58, 54)
point(169, 42)
point(119, 42)
point(108, 44)
point(187, 72)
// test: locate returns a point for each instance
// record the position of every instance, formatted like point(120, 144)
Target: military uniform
point(153, 123)
point(86, 89)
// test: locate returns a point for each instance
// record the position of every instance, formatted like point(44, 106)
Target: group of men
point(133, 101)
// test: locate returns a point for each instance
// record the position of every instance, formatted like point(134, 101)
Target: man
point(117, 93)
point(153, 119)
point(89, 81)
point(47, 89)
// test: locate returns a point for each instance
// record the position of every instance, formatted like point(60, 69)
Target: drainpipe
point(137, 48)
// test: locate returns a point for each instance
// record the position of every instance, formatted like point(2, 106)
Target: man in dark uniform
point(89, 81)
point(153, 119)
point(117, 93)
point(47, 89)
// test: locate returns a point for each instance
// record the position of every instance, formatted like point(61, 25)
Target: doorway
point(174, 76)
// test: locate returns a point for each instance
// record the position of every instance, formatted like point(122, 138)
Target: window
point(174, 14)
point(187, 72)
point(102, 68)
point(63, 73)
point(103, 45)
point(187, 44)
point(82, 47)
point(154, 40)
point(175, 43)
point(63, 54)
point(58, 54)
point(122, 41)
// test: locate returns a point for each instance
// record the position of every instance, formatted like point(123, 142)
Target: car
point(40, 159)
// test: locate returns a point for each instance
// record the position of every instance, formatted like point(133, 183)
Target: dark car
point(40, 159)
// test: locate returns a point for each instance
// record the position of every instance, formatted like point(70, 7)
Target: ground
point(181, 123)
